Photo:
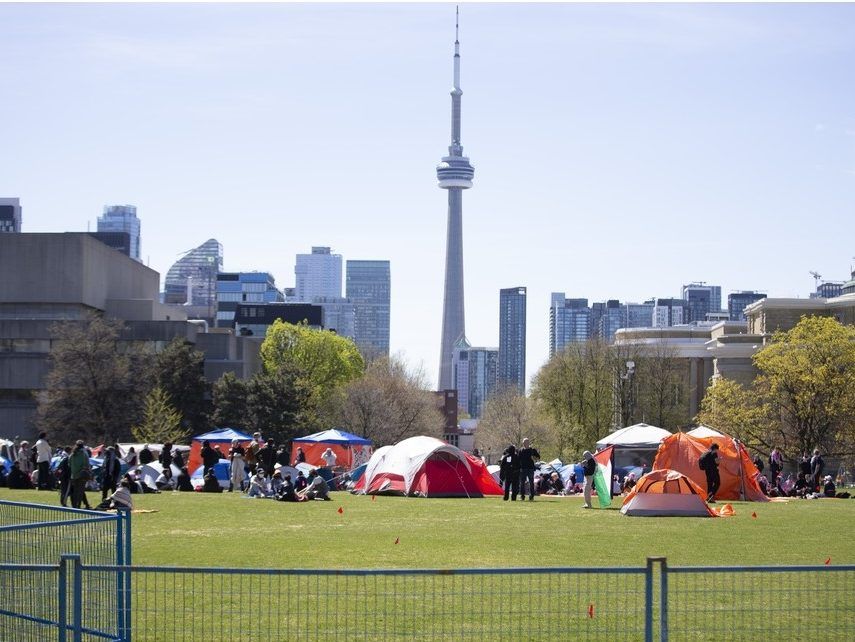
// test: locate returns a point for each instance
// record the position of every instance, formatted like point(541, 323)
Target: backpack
point(702, 461)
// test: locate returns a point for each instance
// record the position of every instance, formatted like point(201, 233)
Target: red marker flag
point(828, 561)
point(340, 510)
point(591, 611)
point(397, 539)
point(754, 515)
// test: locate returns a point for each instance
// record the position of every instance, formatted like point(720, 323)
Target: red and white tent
point(426, 467)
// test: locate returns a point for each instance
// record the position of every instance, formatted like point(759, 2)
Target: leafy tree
point(508, 417)
point(94, 391)
point(229, 399)
point(390, 403)
point(804, 395)
point(180, 371)
point(161, 421)
point(275, 402)
point(661, 387)
point(323, 361)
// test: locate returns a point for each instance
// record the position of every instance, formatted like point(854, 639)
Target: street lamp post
point(627, 397)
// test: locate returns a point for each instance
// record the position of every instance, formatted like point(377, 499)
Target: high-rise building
point(637, 315)
point(669, 312)
point(738, 301)
point(454, 174)
point(368, 287)
point(338, 314)
point(234, 288)
point(569, 322)
point(119, 241)
point(318, 275)
point(476, 376)
point(10, 215)
point(828, 290)
point(512, 316)
point(700, 299)
point(610, 321)
point(192, 280)
point(122, 218)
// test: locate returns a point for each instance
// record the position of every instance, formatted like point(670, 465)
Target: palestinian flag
point(603, 476)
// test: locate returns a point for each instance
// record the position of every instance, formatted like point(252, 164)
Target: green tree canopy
point(229, 399)
point(322, 361)
point(161, 421)
point(179, 369)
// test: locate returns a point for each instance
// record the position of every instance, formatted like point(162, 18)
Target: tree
point(662, 388)
point(323, 362)
point(94, 391)
point(803, 397)
point(161, 421)
point(275, 402)
point(390, 403)
point(180, 371)
point(229, 400)
point(508, 417)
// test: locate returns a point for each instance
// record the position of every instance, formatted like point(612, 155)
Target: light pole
point(627, 377)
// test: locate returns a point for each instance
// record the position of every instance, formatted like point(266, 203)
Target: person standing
point(509, 472)
point(817, 465)
point(251, 453)
point(300, 458)
point(589, 467)
point(165, 457)
point(64, 473)
point(43, 455)
point(329, 458)
point(25, 459)
point(776, 464)
point(527, 455)
point(267, 457)
point(236, 453)
point(79, 472)
point(709, 464)
point(146, 457)
point(758, 462)
point(111, 471)
point(131, 457)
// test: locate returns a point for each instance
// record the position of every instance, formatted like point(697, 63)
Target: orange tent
point(681, 452)
point(666, 493)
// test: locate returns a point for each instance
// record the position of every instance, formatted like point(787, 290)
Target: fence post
point(62, 614)
point(663, 602)
point(126, 575)
point(648, 601)
point(76, 597)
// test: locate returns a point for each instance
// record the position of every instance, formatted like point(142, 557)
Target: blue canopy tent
point(222, 438)
point(350, 450)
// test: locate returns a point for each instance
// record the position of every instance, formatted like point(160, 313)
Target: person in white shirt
point(43, 455)
point(329, 458)
point(258, 484)
point(121, 498)
point(165, 480)
point(24, 458)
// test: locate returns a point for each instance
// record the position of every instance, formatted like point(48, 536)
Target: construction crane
point(817, 277)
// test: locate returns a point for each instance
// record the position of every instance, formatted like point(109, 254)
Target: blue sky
point(620, 150)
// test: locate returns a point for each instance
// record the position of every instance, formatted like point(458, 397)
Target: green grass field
point(196, 530)
point(192, 529)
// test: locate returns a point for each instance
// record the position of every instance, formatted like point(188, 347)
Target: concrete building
point(318, 275)
point(10, 215)
point(738, 301)
point(234, 288)
point(569, 322)
point(192, 281)
point(669, 312)
point(512, 329)
point(67, 277)
point(123, 218)
point(369, 287)
point(454, 174)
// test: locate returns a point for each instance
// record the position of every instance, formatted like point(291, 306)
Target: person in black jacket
point(509, 472)
point(758, 461)
point(209, 457)
point(165, 458)
point(64, 474)
point(817, 465)
point(111, 471)
point(267, 457)
point(145, 456)
point(589, 467)
point(709, 464)
point(527, 455)
point(183, 481)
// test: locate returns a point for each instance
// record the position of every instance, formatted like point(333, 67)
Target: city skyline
point(666, 144)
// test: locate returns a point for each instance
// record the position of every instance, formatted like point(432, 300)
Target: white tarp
point(701, 432)
point(637, 436)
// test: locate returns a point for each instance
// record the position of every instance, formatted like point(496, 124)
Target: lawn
point(228, 530)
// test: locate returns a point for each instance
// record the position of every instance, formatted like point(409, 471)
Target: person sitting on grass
point(165, 480)
point(183, 482)
point(300, 483)
point(275, 484)
point(17, 479)
point(800, 489)
point(258, 484)
point(121, 498)
point(629, 483)
point(211, 484)
point(286, 491)
point(828, 487)
point(317, 488)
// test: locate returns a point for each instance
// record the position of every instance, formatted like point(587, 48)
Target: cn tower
point(454, 174)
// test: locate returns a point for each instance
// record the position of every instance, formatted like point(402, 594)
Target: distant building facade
point(828, 290)
point(512, 332)
point(476, 373)
point(637, 315)
point(234, 288)
point(738, 301)
point(253, 319)
point(569, 322)
point(192, 280)
point(123, 218)
point(317, 275)
point(700, 299)
point(119, 241)
point(10, 215)
point(368, 288)
point(669, 312)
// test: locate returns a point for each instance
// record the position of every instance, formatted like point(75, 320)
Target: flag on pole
point(603, 476)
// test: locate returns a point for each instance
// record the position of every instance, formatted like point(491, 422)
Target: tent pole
point(738, 445)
